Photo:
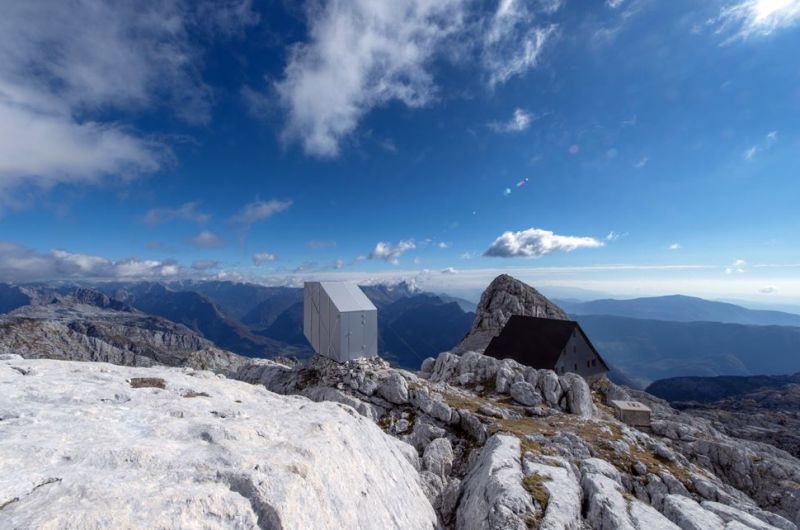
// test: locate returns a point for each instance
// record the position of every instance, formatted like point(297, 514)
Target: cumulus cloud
point(204, 264)
point(258, 211)
point(443, 245)
point(512, 41)
point(64, 64)
point(360, 55)
point(18, 263)
point(206, 239)
point(263, 257)
point(186, 212)
point(750, 18)
point(449, 270)
point(519, 121)
point(737, 267)
point(535, 242)
point(675, 246)
point(391, 253)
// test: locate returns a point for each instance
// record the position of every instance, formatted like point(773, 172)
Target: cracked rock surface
point(94, 445)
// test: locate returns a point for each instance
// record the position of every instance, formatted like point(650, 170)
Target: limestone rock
point(394, 389)
point(492, 494)
point(525, 394)
point(89, 450)
point(504, 297)
point(579, 397)
point(689, 515)
point(550, 387)
point(563, 510)
point(438, 457)
point(607, 508)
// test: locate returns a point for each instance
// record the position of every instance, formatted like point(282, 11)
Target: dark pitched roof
point(533, 341)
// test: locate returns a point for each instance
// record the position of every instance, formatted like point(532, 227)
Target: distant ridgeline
point(707, 389)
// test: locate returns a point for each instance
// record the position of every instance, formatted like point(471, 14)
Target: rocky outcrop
point(505, 296)
point(89, 326)
point(493, 497)
point(91, 445)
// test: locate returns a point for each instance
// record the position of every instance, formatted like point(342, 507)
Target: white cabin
point(339, 320)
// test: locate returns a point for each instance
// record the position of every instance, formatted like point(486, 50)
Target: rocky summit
point(467, 442)
point(505, 296)
point(92, 445)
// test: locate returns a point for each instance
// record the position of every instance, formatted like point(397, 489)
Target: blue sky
point(626, 147)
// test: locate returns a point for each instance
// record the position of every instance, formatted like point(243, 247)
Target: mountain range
point(679, 308)
point(681, 336)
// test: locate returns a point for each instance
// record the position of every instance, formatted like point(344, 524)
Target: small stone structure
point(632, 412)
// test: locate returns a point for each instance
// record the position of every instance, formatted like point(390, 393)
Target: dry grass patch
point(147, 382)
point(534, 484)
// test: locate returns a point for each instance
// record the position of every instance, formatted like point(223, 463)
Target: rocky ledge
point(504, 446)
point(94, 445)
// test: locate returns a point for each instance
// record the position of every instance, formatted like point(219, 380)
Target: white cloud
point(614, 236)
point(443, 245)
point(364, 54)
point(391, 253)
point(360, 55)
point(18, 263)
point(468, 255)
point(186, 212)
point(768, 290)
point(263, 257)
point(675, 246)
point(613, 4)
point(518, 122)
point(641, 163)
point(206, 239)
point(535, 242)
point(64, 63)
point(738, 267)
point(205, 264)
point(449, 270)
point(769, 140)
point(512, 43)
point(258, 211)
point(751, 18)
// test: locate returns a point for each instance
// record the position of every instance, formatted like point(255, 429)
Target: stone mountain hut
point(546, 343)
point(339, 320)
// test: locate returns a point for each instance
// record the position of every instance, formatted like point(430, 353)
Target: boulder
point(438, 457)
point(394, 389)
point(579, 397)
point(549, 387)
point(525, 394)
